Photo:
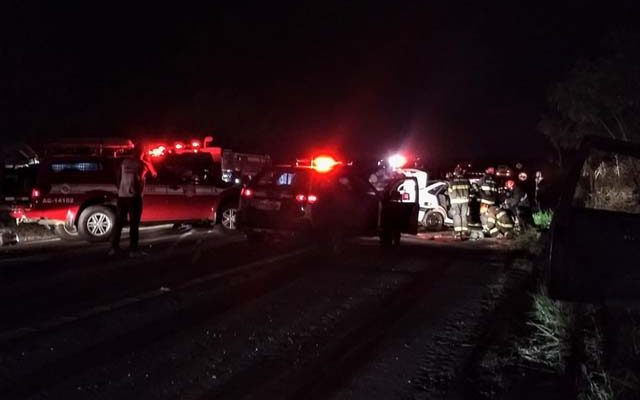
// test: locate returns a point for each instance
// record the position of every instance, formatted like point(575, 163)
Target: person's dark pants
point(131, 206)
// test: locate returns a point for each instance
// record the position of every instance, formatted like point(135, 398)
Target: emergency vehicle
point(325, 200)
point(76, 194)
point(432, 197)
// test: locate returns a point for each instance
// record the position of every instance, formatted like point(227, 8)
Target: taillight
point(246, 193)
point(310, 199)
point(405, 196)
point(35, 193)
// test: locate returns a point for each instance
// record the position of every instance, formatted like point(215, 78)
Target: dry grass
point(549, 344)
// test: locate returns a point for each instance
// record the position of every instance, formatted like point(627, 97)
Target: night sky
point(468, 76)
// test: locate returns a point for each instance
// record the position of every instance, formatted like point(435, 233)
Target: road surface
point(207, 314)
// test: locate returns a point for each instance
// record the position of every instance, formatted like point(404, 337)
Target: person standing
point(488, 198)
point(131, 179)
point(459, 189)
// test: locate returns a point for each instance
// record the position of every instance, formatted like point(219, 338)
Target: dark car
point(327, 205)
point(595, 236)
point(76, 194)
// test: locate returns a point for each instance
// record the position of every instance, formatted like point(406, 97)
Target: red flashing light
point(405, 196)
point(195, 143)
point(179, 146)
point(35, 193)
point(310, 199)
point(323, 163)
point(158, 151)
point(246, 193)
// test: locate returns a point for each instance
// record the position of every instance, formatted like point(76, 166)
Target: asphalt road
point(205, 314)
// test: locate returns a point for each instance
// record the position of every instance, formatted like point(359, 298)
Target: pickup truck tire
point(227, 215)
point(65, 233)
point(96, 223)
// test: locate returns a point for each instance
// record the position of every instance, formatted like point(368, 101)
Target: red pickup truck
point(76, 194)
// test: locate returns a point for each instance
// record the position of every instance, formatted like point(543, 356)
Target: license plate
point(266, 205)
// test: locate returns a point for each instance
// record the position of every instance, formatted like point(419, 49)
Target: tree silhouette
point(600, 97)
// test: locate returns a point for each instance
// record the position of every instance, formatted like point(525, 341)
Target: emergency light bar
point(397, 161)
point(193, 145)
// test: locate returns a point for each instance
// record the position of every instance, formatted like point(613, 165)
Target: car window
point(58, 167)
point(436, 190)
point(609, 181)
point(282, 178)
point(197, 168)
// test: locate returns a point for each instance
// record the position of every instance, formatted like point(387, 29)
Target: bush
point(549, 343)
point(542, 219)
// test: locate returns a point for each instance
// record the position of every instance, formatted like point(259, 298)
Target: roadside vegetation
point(555, 349)
point(542, 219)
point(548, 343)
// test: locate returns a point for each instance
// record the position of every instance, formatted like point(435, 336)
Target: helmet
point(510, 184)
point(490, 171)
point(522, 176)
point(458, 171)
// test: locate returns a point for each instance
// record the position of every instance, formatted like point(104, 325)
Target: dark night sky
point(468, 75)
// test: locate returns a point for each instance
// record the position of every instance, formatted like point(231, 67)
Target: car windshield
point(282, 178)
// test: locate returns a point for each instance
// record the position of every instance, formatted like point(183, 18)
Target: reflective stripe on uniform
point(500, 214)
point(502, 225)
point(459, 201)
point(493, 231)
point(487, 202)
point(457, 229)
point(492, 220)
point(455, 187)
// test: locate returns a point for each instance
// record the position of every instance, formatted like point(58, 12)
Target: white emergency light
point(397, 161)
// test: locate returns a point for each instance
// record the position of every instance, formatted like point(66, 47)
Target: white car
point(432, 197)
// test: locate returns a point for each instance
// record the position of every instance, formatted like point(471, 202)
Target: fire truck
point(75, 191)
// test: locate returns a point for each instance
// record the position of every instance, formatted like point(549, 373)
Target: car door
point(190, 190)
point(367, 205)
point(156, 200)
point(400, 213)
point(595, 236)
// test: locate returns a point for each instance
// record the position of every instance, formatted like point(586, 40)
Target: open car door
point(595, 236)
point(400, 206)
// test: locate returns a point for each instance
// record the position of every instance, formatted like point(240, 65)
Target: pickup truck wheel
point(228, 214)
point(64, 233)
point(96, 223)
point(433, 221)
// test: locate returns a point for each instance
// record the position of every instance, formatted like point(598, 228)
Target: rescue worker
point(518, 202)
point(488, 196)
point(459, 188)
point(383, 175)
point(491, 221)
point(131, 179)
point(504, 223)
